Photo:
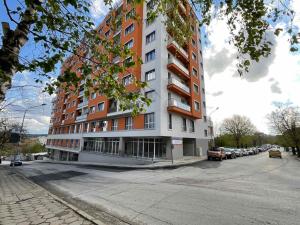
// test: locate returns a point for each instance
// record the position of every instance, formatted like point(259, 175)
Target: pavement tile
point(23, 203)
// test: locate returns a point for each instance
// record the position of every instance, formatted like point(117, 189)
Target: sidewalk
point(24, 203)
point(186, 161)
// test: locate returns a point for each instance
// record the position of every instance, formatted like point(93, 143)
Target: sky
point(276, 78)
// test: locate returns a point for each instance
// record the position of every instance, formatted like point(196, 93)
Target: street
point(247, 190)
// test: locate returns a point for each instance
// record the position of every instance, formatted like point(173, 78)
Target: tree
point(239, 127)
point(6, 130)
point(285, 120)
point(63, 28)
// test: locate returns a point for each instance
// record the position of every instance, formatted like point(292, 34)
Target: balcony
point(81, 93)
point(178, 87)
point(82, 82)
point(116, 60)
point(81, 118)
point(177, 50)
point(82, 104)
point(179, 107)
point(182, 7)
point(178, 68)
point(114, 110)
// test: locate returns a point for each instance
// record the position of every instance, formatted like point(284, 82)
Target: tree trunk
point(293, 151)
point(12, 42)
point(298, 151)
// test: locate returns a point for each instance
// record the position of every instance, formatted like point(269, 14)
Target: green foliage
point(64, 29)
point(33, 148)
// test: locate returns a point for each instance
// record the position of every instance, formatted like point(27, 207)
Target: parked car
point(245, 152)
point(255, 151)
point(238, 152)
point(275, 153)
point(230, 154)
point(216, 153)
point(250, 152)
point(16, 162)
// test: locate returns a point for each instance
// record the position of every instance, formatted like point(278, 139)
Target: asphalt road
point(247, 190)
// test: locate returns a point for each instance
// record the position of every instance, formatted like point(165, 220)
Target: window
point(150, 37)
point(194, 57)
point(202, 77)
point(197, 106)
point(127, 80)
point(130, 14)
point(150, 56)
point(192, 126)
point(128, 61)
point(101, 106)
point(205, 118)
point(170, 121)
point(204, 104)
point(193, 28)
point(150, 95)
point(183, 124)
point(92, 109)
point(196, 88)
point(114, 124)
point(93, 95)
point(150, 5)
point(150, 75)
point(195, 72)
point(149, 121)
point(107, 33)
point(203, 91)
point(193, 42)
point(128, 123)
point(129, 44)
point(205, 133)
point(108, 21)
point(129, 29)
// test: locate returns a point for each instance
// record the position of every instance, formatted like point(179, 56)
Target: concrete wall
point(202, 147)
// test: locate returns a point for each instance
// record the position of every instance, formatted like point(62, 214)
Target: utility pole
point(21, 129)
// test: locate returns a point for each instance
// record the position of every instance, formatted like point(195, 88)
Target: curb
point(171, 166)
point(75, 209)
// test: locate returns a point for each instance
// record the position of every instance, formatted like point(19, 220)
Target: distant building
point(175, 125)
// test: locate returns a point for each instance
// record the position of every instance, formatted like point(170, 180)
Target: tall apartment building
point(173, 126)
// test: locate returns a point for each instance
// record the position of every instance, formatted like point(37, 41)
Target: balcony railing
point(170, 41)
point(82, 104)
point(174, 102)
point(178, 63)
point(81, 118)
point(179, 84)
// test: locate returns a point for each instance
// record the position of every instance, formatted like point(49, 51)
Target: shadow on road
point(64, 175)
point(207, 164)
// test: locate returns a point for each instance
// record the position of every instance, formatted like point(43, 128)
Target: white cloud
point(99, 8)
point(274, 79)
point(295, 5)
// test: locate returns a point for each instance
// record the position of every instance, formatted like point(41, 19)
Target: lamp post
point(22, 124)
point(211, 127)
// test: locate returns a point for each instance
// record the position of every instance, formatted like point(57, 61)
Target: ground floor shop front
point(140, 148)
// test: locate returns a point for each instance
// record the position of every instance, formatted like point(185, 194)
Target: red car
point(216, 153)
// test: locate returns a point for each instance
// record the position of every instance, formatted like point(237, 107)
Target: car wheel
point(270, 156)
point(221, 158)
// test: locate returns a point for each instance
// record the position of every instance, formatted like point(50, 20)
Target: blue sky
point(274, 79)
